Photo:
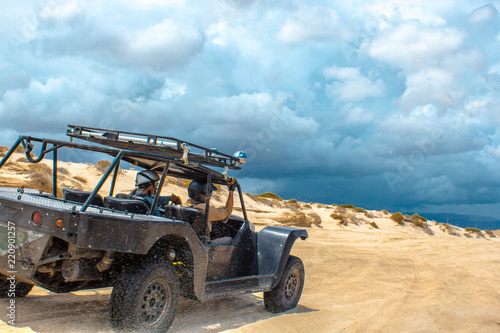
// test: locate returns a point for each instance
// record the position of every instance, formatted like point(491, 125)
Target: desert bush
point(336, 216)
point(102, 166)
point(306, 206)
point(445, 227)
point(347, 206)
point(81, 179)
point(385, 212)
point(40, 176)
point(269, 195)
point(60, 170)
point(359, 210)
point(291, 201)
point(374, 225)
point(473, 230)
point(299, 219)
point(3, 150)
point(419, 223)
point(417, 217)
point(14, 167)
point(294, 206)
point(344, 221)
point(490, 233)
point(369, 215)
point(398, 217)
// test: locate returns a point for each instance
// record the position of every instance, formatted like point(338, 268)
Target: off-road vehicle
point(82, 240)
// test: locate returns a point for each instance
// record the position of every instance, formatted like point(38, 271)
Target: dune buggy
point(82, 240)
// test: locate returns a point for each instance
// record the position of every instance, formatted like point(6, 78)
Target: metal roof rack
point(155, 144)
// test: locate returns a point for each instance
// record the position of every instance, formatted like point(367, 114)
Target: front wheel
point(286, 294)
point(16, 289)
point(145, 298)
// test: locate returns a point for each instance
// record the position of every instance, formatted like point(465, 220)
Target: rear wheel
point(19, 289)
point(286, 294)
point(145, 298)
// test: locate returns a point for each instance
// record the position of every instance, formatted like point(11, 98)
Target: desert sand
point(365, 272)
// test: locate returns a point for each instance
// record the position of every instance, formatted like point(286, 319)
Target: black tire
point(21, 289)
point(145, 298)
point(286, 294)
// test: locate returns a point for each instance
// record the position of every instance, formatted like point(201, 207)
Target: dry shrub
point(336, 216)
point(490, 233)
point(270, 196)
point(474, 231)
point(306, 206)
point(347, 206)
point(293, 206)
point(452, 230)
point(374, 225)
point(62, 171)
point(14, 167)
point(369, 215)
point(385, 212)
point(347, 218)
point(22, 160)
point(81, 179)
point(102, 166)
point(291, 201)
point(398, 218)
point(359, 210)
point(3, 150)
point(40, 176)
point(299, 219)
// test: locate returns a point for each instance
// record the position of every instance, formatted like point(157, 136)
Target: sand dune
point(365, 272)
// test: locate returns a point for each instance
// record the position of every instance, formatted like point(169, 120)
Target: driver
point(146, 184)
point(197, 192)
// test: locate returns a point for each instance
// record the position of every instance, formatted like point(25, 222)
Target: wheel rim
point(155, 302)
point(291, 286)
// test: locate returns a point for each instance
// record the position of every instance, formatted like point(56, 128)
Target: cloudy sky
point(381, 104)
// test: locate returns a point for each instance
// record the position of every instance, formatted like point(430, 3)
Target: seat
point(197, 220)
point(70, 194)
point(136, 206)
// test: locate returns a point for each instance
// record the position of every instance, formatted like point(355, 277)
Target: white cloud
point(411, 45)
point(431, 85)
point(400, 10)
point(358, 114)
point(165, 44)
point(311, 24)
point(485, 13)
point(351, 85)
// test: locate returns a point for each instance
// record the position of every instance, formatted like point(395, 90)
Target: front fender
point(273, 249)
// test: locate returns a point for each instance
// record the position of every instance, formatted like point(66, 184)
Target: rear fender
point(273, 249)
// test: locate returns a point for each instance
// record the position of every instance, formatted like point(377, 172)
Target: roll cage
point(165, 155)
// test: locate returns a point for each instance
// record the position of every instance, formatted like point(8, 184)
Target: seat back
point(123, 196)
point(135, 206)
point(70, 194)
point(197, 220)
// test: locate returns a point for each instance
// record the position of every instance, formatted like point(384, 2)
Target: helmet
point(146, 177)
point(197, 190)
